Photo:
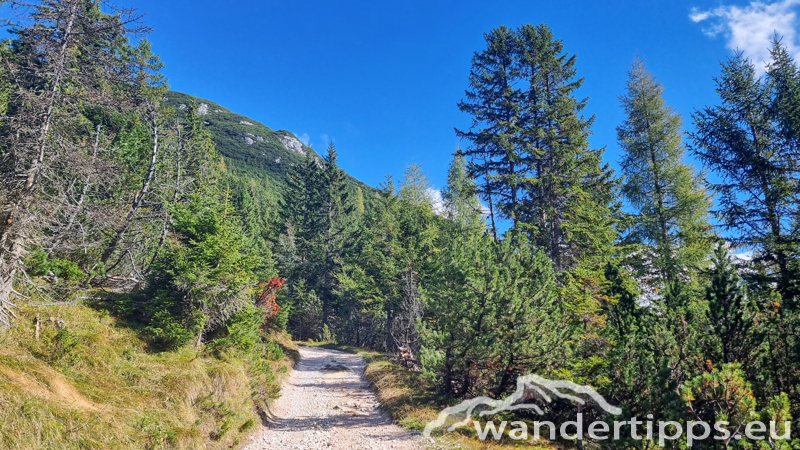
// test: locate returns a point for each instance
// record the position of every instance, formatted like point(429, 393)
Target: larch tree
point(461, 204)
point(748, 142)
point(670, 205)
point(416, 188)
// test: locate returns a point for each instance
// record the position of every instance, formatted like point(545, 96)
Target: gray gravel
point(326, 403)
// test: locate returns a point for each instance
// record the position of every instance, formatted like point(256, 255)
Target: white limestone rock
point(292, 144)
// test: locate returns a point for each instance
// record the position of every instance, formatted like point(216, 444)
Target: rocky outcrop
point(292, 144)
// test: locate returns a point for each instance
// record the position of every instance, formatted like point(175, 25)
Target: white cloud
point(750, 29)
point(305, 139)
point(698, 16)
point(325, 139)
point(435, 196)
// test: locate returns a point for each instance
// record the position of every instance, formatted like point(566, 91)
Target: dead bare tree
point(65, 64)
point(404, 325)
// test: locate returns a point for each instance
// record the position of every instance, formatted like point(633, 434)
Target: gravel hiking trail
point(326, 403)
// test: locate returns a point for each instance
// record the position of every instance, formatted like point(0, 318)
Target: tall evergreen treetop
point(568, 203)
point(750, 141)
point(493, 100)
point(461, 204)
point(529, 148)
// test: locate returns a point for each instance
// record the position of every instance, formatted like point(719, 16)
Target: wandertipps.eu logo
point(536, 388)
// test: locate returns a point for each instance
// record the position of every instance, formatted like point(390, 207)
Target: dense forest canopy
point(631, 281)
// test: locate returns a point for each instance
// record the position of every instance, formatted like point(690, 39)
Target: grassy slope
point(413, 402)
point(98, 386)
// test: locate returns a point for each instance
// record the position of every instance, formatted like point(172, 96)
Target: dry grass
point(92, 383)
point(413, 402)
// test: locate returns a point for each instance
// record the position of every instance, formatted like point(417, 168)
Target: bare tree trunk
point(12, 239)
point(81, 199)
point(137, 201)
point(177, 188)
point(33, 175)
point(8, 272)
point(579, 444)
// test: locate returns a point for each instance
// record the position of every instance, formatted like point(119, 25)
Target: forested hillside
point(250, 148)
point(673, 293)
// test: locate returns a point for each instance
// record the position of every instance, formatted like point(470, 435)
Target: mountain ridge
point(247, 144)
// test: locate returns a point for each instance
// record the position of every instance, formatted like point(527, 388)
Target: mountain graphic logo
point(526, 386)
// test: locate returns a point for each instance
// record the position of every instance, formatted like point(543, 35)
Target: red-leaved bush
point(266, 298)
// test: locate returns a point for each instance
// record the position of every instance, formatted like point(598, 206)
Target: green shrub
point(166, 332)
point(281, 320)
point(247, 425)
point(38, 265)
point(244, 331)
point(63, 346)
point(272, 351)
point(36, 262)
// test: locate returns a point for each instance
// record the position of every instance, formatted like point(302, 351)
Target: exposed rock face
point(202, 110)
point(244, 122)
point(291, 143)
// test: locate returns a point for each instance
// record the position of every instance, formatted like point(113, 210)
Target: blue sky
point(382, 78)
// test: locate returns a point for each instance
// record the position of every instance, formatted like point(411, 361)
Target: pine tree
point(731, 312)
point(670, 205)
point(491, 314)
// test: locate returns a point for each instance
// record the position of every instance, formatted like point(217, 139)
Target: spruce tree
point(335, 229)
point(493, 100)
point(68, 62)
point(567, 209)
